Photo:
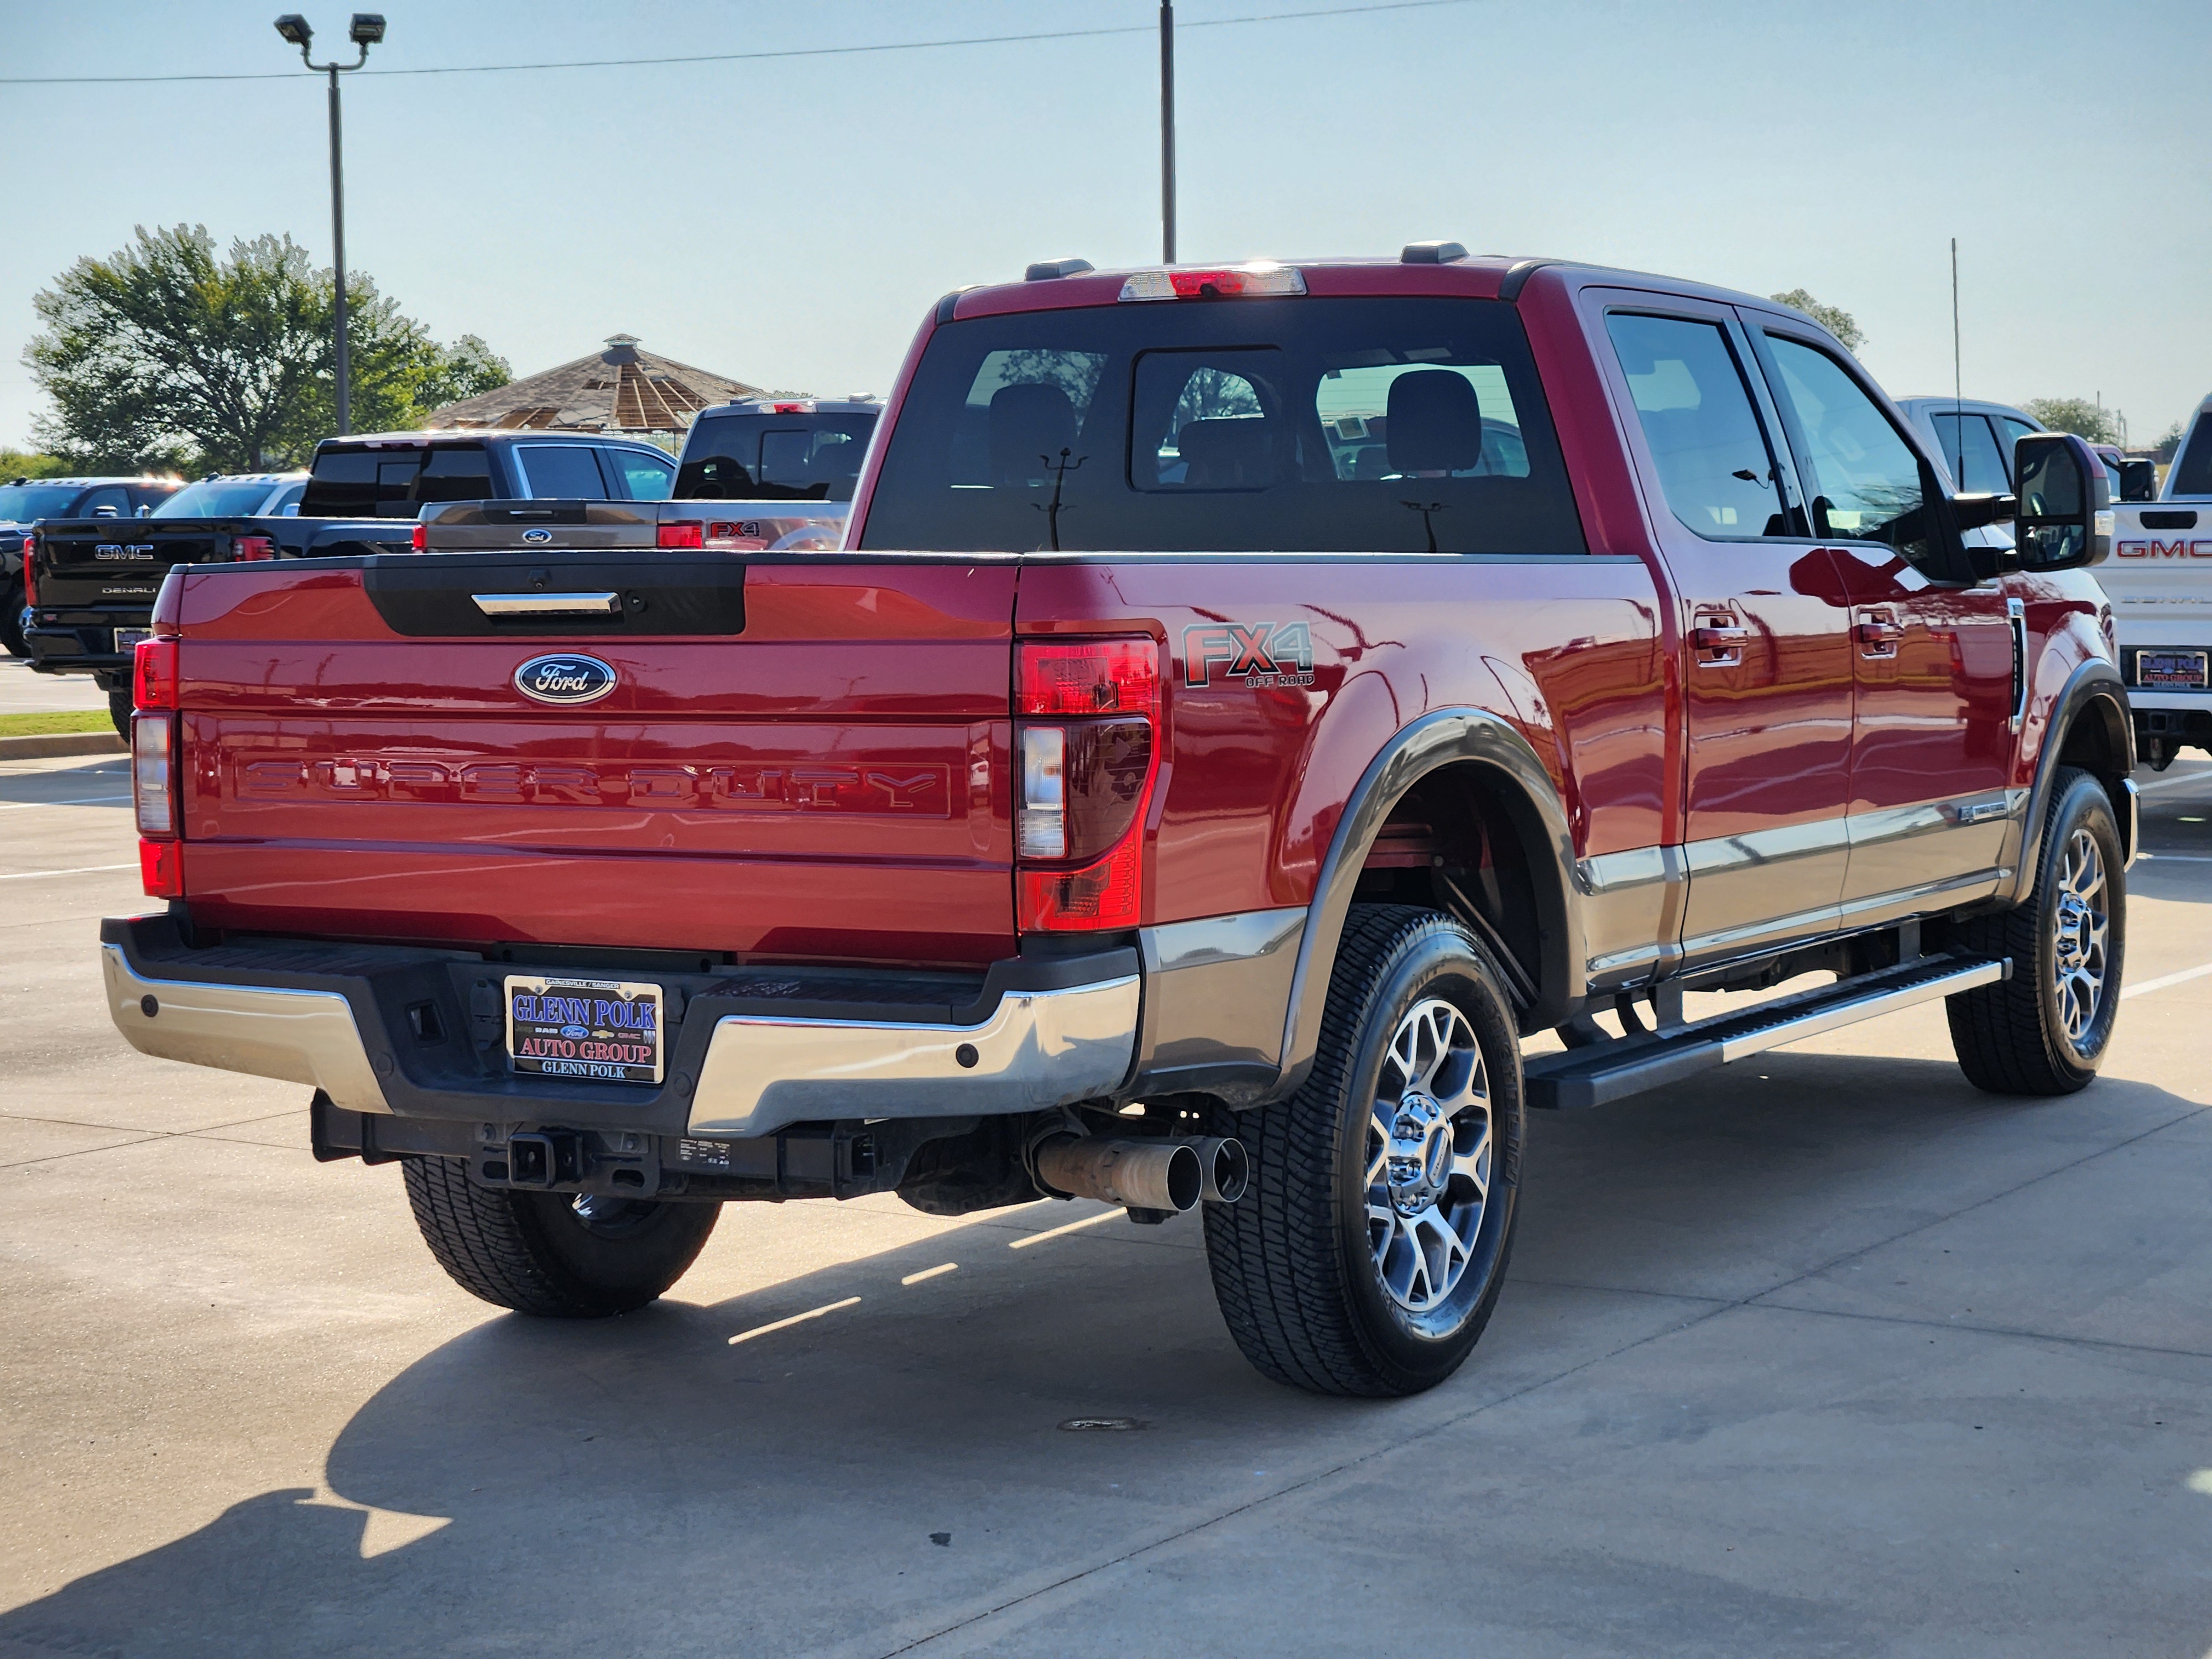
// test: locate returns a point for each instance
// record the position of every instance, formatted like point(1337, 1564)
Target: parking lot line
point(77, 801)
point(1054, 1232)
point(929, 1273)
point(2181, 978)
point(82, 870)
point(796, 1319)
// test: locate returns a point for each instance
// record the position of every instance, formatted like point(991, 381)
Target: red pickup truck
point(1247, 704)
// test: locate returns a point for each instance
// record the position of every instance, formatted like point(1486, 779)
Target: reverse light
point(1261, 276)
point(1087, 767)
point(153, 740)
point(154, 674)
point(255, 547)
point(689, 533)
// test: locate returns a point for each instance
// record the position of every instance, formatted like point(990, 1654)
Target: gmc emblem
point(123, 552)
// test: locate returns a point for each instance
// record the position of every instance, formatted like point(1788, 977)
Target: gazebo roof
point(621, 389)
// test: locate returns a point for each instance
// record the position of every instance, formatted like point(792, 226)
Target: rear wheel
point(2045, 1030)
point(119, 712)
point(1368, 1254)
point(550, 1254)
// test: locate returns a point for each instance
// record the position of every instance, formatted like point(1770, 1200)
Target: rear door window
point(110, 501)
point(1971, 451)
point(647, 476)
point(457, 473)
point(2192, 470)
point(1329, 425)
point(1716, 461)
point(561, 472)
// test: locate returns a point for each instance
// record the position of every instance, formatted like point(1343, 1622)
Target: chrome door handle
point(548, 605)
point(1717, 639)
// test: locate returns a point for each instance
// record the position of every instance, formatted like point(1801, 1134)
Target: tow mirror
point(2138, 481)
point(2065, 517)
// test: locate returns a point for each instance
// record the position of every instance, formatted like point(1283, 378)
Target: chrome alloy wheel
point(2078, 958)
point(1428, 1155)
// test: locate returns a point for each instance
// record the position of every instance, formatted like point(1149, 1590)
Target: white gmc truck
point(2159, 582)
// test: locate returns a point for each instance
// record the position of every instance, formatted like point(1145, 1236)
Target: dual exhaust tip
point(1165, 1176)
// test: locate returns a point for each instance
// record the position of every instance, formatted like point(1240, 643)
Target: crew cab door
point(1765, 663)
point(1933, 653)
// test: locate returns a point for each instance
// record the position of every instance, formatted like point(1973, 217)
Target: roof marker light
point(1261, 276)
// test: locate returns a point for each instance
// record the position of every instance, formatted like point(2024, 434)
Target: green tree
point(2075, 414)
point(31, 464)
point(1837, 321)
point(164, 354)
point(2167, 448)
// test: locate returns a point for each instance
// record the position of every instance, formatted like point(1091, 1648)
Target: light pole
point(367, 31)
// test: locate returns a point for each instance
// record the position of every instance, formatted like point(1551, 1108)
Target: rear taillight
point(689, 533)
point(30, 586)
point(252, 547)
point(154, 674)
point(153, 778)
point(418, 539)
point(1089, 745)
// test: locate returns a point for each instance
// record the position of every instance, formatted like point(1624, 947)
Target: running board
point(1628, 1065)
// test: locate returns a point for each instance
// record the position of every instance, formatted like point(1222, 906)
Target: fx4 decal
point(1255, 654)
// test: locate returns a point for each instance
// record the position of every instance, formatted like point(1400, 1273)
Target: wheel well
point(2098, 741)
point(1455, 842)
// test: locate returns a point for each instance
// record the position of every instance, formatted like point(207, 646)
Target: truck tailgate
point(804, 759)
point(108, 562)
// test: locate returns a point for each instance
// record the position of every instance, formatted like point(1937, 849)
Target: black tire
point(120, 711)
point(1298, 1273)
point(11, 617)
point(537, 1254)
point(2012, 1038)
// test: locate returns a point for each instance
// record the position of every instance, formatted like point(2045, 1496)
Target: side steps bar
point(1628, 1065)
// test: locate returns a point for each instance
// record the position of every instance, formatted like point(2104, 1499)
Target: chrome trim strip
point(1038, 1049)
point(548, 605)
point(1765, 847)
point(298, 1036)
point(2130, 817)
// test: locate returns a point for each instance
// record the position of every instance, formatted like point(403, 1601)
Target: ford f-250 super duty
point(1250, 702)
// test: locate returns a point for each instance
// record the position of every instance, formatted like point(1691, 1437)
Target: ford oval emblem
point(566, 678)
point(537, 537)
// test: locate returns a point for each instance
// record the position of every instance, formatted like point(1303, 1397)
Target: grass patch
point(47, 726)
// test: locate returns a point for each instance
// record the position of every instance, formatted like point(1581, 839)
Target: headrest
point(1435, 422)
point(1028, 423)
point(1227, 453)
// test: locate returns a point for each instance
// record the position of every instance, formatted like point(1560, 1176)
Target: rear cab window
point(759, 455)
point(1296, 425)
point(362, 483)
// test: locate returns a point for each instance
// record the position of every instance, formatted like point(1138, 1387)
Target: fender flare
point(1445, 738)
point(2094, 682)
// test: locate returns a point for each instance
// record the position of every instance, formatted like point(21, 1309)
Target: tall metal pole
point(1167, 133)
point(1958, 374)
point(338, 246)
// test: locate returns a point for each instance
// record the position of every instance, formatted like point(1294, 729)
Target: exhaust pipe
point(1138, 1175)
point(1227, 1168)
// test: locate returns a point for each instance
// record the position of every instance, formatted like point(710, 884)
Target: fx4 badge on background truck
point(1248, 703)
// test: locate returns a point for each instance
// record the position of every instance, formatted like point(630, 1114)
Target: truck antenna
point(1957, 380)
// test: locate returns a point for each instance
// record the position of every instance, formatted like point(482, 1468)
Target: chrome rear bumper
point(298, 1036)
point(1038, 1049)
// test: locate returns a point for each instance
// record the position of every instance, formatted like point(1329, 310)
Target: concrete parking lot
point(1827, 1354)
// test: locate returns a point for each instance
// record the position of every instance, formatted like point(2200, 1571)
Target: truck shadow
point(105, 782)
point(856, 1479)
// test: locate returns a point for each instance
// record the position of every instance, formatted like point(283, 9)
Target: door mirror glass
point(2138, 481)
point(2065, 516)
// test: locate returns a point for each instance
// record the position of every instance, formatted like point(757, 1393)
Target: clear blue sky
point(788, 223)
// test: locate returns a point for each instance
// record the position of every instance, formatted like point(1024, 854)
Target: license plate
point(126, 639)
point(598, 1030)
point(2171, 670)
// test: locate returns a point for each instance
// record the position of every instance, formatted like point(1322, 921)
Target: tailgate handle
point(548, 605)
